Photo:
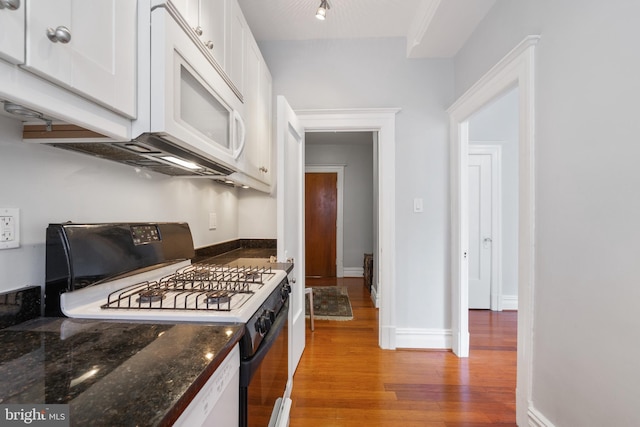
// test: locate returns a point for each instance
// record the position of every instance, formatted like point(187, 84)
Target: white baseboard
point(536, 419)
point(509, 302)
point(423, 338)
point(374, 297)
point(353, 272)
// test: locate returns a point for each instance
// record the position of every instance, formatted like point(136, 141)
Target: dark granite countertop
point(255, 257)
point(111, 373)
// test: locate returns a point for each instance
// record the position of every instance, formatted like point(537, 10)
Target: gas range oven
point(143, 271)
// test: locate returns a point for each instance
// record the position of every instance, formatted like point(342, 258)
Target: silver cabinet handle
point(209, 44)
point(10, 4)
point(198, 30)
point(263, 169)
point(60, 34)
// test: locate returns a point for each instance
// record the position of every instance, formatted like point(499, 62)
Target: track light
point(322, 10)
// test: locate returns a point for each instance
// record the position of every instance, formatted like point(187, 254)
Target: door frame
point(495, 153)
point(515, 70)
point(339, 170)
point(382, 121)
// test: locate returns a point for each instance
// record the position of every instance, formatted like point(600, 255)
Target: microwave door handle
point(240, 141)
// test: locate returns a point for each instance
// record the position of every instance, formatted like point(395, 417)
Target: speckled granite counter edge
point(19, 306)
point(225, 247)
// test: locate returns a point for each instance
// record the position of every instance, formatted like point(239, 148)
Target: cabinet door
point(257, 152)
point(212, 22)
point(237, 43)
point(12, 34)
point(265, 123)
point(189, 9)
point(251, 153)
point(99, 59)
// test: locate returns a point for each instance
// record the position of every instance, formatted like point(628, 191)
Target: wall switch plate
point(213, 221)
point(417, 205)
point(9, 228)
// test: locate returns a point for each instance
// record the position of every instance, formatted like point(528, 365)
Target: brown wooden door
point(321, 206)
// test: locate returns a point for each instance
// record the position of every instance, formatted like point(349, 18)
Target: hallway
point(344, 379)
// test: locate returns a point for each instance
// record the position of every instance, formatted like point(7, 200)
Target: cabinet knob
point(263, 169)
point(10, 4)
point(198, 30)
point(60, 34)
point(209, 44)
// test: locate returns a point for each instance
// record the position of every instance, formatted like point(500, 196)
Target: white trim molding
point(515, 70)
point(509, 302)
point(339, 170)
point(382, 121)
point(353, 272)
point(536, 419)
point(423, 338)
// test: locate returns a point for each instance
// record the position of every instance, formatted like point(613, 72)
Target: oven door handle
point(249, 367)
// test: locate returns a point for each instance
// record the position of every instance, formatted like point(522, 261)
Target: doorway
point(515, 70)
point(382, 123)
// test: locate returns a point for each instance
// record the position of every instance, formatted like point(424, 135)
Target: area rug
point(330, 303)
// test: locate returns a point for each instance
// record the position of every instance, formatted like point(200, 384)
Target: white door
point(480, 231)
point(290, 195)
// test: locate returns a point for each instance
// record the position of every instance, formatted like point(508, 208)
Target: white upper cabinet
point(12, 31)
point(256, 160)
point(212, 23)
point(207, 19)
point(190, 11)
point(237, 33)
point(222, 29)
point(67, 44)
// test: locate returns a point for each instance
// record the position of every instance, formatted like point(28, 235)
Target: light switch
point(417, 205)
point(9, 228)
point(213, 221)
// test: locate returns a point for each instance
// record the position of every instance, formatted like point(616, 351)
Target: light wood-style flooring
point(344, 379)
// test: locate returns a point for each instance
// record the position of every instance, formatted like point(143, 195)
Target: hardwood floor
point(344, 379)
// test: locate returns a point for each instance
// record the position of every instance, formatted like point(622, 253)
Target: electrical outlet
point(213, 221)
point(9, 228)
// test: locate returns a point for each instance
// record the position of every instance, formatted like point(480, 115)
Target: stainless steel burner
point(149, 296)
point(252, 275)
point(218, 297)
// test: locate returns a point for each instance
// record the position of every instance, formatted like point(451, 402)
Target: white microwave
point(192, 105)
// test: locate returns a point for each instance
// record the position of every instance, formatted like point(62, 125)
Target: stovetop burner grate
point(197, 287)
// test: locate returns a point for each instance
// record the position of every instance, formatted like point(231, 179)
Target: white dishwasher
point(217, 403)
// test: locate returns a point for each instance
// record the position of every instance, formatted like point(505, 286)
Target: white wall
point(375, 73)
point(585, 352)
point(257, 214)
point(52, 185)
point(497, 124)
point(358, 191)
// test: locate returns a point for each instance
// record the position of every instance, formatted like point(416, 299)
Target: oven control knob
point(268, 317)
point(285, 290)
point(261, 326)
point(271, 314)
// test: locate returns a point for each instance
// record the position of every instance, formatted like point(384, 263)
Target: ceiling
point(432, 28)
